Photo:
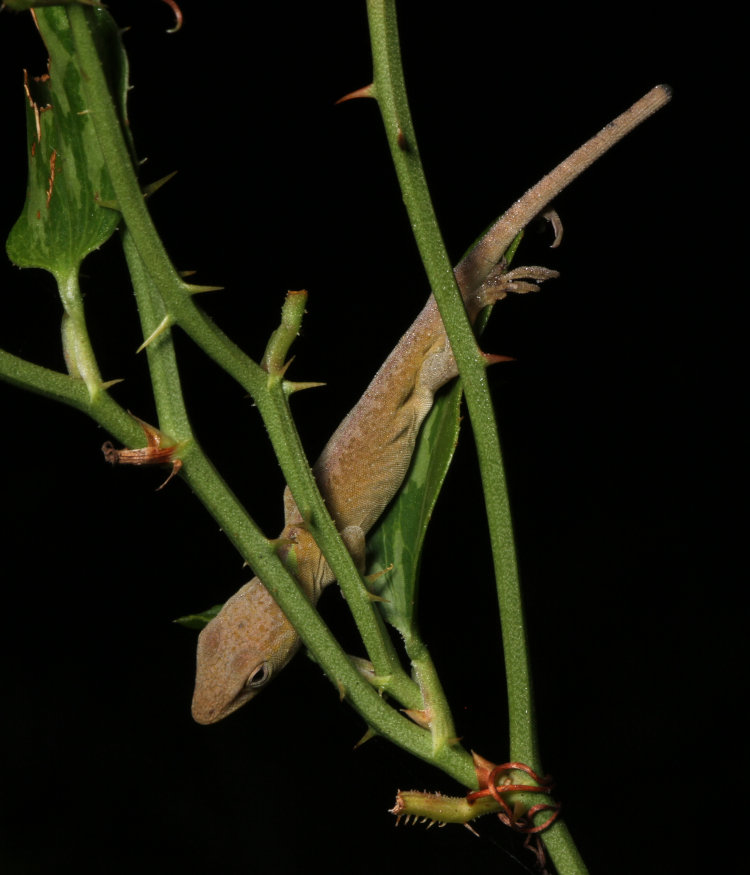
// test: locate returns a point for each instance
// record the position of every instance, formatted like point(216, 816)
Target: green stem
point(216, 496)
point(73, 392)
point(435, 702)
point(162, 361)
point(79, 354)
point(268, 394)
point(390, 92)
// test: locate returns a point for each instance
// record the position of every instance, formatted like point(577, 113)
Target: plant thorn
point(160, 329)
point(152, 187)
point(290, 386)
point(371, 578)
point(194, 290)
point(107, 205)
point(365, 91)
point(422, 717)
point(492, 359)
point(110, 383)
point(366, 737)
point(373, 597)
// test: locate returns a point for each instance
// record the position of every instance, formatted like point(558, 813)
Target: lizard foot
point(500, 282)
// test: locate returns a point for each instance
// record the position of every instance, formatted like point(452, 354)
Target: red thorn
point(365, 91)
point(492, 359)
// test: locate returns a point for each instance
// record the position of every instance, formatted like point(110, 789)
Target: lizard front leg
point(250, 640)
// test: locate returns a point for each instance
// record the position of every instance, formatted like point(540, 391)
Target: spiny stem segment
point(174, 306)
point(274, 359)
point(498, 790)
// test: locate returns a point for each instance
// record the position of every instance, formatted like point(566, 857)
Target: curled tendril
point(177, 15)
point(524, 824)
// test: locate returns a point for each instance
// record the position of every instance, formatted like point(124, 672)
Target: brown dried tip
point(152, 454)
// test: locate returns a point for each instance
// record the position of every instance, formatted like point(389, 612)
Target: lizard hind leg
point(500, 282)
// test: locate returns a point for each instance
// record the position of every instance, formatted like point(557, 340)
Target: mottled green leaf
point(62, 220)
point(398, 538)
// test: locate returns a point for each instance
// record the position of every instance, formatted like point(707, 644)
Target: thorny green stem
point(172, 305)
point(389, 90)
point(274, 410)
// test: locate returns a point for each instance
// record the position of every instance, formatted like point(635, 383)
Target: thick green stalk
point(73, 392)
point(162, 361)
point(269, 397)
point(249, 541)
point(272, 403)
point(214, 493)
point(390, 92)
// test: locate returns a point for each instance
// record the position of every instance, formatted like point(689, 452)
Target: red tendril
point(525, 823)
point(177, 15)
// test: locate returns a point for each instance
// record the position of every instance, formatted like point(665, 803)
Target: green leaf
point(62, 220)
point(398, 538)
point(198, 621)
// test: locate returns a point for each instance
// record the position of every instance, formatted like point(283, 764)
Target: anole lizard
point(365, 461)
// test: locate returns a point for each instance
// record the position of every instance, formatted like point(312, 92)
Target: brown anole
point(365, 461)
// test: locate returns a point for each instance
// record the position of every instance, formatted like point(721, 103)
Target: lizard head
point(239, 652)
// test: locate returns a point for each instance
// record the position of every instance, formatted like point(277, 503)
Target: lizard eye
point(260, 677)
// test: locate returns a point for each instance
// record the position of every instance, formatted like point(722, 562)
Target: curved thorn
point(195, 290)
point(160, 329)
point(149, 189)
point(492, 359)
point(290, 387)
point(109, 383)
point(365, 91)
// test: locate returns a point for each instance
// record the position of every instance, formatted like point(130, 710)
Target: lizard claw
point(500, 282)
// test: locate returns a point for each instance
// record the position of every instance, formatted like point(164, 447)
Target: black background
point(613, 431)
